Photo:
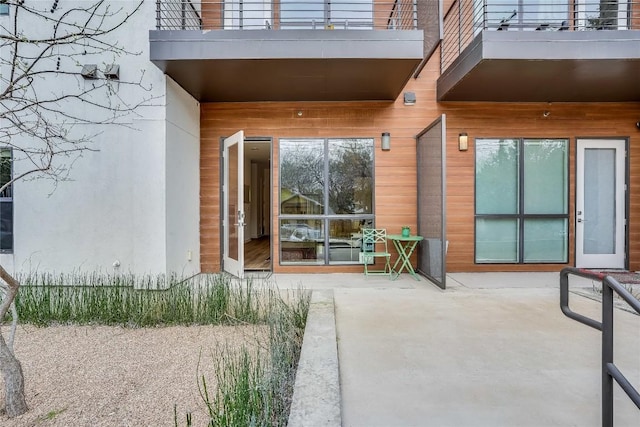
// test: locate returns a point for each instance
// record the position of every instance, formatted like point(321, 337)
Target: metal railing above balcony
point(285, 14)
point(466, 18)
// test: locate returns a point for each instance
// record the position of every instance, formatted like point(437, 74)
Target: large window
point(522, 203)
point(6, 202)
point(326, 197)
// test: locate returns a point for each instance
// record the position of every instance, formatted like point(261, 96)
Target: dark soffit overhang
point(288, 65)
point(545, 66)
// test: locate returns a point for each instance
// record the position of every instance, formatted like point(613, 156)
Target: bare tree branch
point(45, 101)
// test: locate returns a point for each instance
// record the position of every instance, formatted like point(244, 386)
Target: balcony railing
point(286, 14)
point(466, 18)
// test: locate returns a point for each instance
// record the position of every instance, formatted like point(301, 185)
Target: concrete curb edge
point(316, 396)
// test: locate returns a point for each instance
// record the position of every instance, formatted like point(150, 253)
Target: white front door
point(600, 203)
point(233, 205)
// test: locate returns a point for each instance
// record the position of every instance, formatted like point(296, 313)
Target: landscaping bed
point(208, 351)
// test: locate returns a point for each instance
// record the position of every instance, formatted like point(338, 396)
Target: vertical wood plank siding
point(395, 170)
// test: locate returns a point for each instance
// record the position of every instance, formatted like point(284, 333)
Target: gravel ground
point(111, 376)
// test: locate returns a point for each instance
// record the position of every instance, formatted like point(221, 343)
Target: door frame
point(269, 183)
point(626, 197)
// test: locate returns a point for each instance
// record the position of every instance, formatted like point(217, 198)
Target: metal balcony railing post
point(183, 4)
point(459, 27)
point(158, 15)
point(484, 15)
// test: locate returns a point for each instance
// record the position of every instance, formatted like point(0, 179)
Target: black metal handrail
point(609, 370)
point(286, 14)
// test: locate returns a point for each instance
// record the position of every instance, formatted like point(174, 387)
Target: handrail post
point(609, 370)
point(607, 354)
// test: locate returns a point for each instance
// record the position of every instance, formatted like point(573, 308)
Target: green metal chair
point(374, 245)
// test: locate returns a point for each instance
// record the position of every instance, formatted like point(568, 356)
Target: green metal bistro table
point(405, 247)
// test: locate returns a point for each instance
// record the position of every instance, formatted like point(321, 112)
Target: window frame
point(9, 199)
point(521, 216)
point(325, 218)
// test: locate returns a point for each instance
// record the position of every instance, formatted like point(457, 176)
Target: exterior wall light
point(409, 98)
point(386, 141)
point(89, 71)
point(112, 72)
point(463, 142)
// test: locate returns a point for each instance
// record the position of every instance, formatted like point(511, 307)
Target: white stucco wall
point(135, 200)
point(182, 181)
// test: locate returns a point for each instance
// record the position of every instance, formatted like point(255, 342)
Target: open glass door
point(600, 203)
point(233, 205)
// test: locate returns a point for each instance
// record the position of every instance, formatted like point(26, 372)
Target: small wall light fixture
point(89, 71)
point(112, 72)
point(638, 125)
point(386, 141)
point(409, 98)
point(463, 142)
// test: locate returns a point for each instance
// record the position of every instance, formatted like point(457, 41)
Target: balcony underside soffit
point(291, 65)
point(596, 66)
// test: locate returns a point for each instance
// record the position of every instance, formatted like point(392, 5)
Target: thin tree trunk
point(15, 402)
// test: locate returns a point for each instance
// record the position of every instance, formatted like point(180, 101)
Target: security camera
point(638, 125)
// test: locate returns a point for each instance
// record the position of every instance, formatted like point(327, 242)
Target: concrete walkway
point(492, 350)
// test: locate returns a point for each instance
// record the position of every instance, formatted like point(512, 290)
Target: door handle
point(240, 222)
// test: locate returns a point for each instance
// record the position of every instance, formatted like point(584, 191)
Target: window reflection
point(6, 201)
point(350, 176)
point(345, 240)
point(301, 177)
point(301, 241)
point(326, 198)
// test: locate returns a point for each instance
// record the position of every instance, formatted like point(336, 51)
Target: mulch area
point(622, 276)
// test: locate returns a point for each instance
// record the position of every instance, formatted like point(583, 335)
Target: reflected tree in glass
point(351, 176)
point(302, 176)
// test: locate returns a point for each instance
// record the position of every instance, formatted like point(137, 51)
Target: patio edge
point(316, 395)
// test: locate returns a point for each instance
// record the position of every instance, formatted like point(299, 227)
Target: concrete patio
point(492, 350)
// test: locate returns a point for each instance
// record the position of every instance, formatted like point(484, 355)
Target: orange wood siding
point(395, 173)
point(212, 13)
point(505, 120)
point(395, 170)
